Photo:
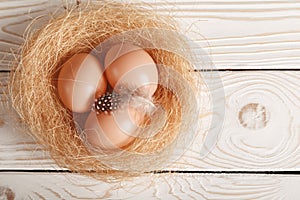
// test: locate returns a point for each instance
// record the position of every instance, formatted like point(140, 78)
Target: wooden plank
point(260, 130)
point(261, 127)
point(241, 34)
point(165, 186)
point(236, 34)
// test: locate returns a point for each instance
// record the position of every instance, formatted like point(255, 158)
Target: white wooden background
point(256, 46)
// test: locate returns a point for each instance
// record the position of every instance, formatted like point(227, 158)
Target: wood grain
point(236, 34)
point(264, 136)
point(17, 18)
point(166, 186)
point(275, 145)
point(243, 34)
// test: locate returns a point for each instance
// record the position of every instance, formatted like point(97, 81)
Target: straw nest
point(34, 94)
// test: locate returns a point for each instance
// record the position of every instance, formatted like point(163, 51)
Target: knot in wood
point(253, 116)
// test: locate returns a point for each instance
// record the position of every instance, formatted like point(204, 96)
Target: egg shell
point(112, 131)
point(79, 79)
point(131, 66)
point(119, 50)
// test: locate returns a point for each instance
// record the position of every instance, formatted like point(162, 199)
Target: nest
point(34, 93)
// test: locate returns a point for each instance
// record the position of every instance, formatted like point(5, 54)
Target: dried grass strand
point(34, 97)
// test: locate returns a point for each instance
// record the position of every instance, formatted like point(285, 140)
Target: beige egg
point(131, 66)
point(112, 131)
point(79, 79)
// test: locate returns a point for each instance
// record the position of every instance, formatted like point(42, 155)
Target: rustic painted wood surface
point(167, 186)
point(262, 113)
